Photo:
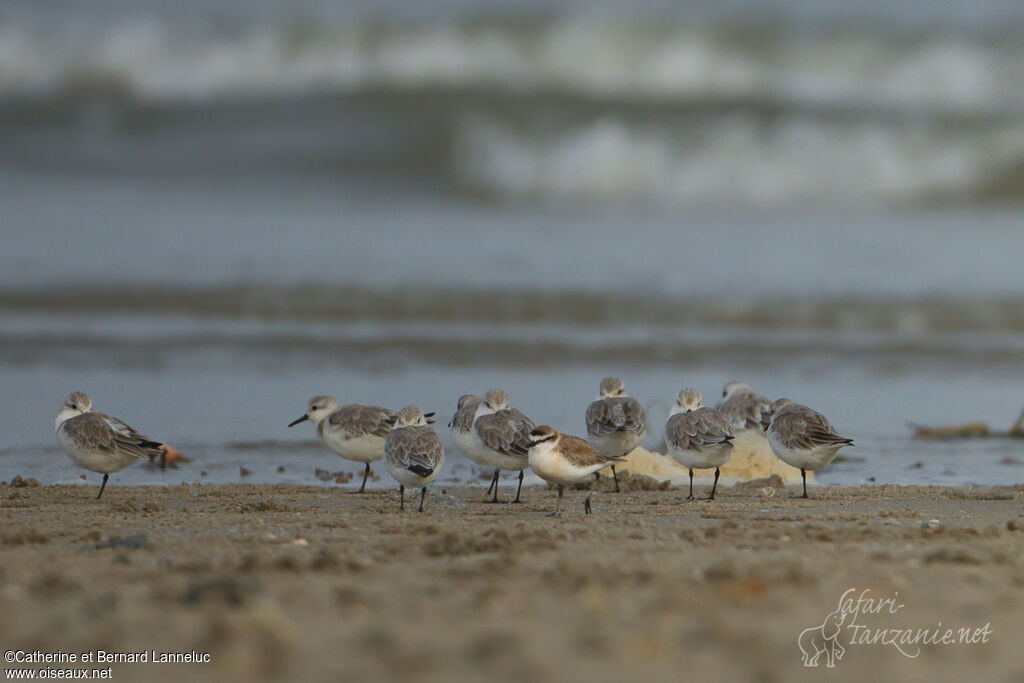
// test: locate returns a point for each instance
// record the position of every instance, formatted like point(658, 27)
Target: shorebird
point(501, 437)
point(616, 423)
point(562, 459)
point(744, 408)
point(413, 453)
point(354, 432)
point(462, 431)
point(698, 438)
point(98, 442)
point(803, 438)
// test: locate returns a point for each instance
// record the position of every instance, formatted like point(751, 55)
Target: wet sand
point(286, 582)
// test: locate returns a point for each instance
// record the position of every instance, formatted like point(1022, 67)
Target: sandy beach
point(304, 583)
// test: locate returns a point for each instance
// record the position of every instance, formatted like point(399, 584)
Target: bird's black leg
point(520, 489)
point(616, 478)
point(366, 473)
point(103, 486)
point(586, 503)
point(494, 482)
point(558, 503)
point(803, 475)
point(494, 499)
point(423, 494)
point(714, 486)
point(690, 497)
point(401, 496)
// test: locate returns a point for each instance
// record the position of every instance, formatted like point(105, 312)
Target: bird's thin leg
point(558, 503)
point(423, 494)
point(616, 478)
point(520, 489)
point(494, 499)
point(494, 482)
point(401, 496)
point(366, 473)
point(690, 497)
point(714, 486)
point(103, 486)
point(803, 475)
point(586, 503)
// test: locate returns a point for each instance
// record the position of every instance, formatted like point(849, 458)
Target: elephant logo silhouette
point(823, 640)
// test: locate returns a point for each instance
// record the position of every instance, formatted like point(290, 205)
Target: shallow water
point(211, 215)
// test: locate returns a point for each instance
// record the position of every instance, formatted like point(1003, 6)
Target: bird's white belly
point(466, 444)
point(95, 461)
point(552, 467)
point(617, 443)
point(492, 458)
point(710, 456)
point(811, 459)
point(367, 448)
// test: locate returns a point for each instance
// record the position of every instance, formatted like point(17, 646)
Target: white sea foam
point(738, 159)
point(587, 56)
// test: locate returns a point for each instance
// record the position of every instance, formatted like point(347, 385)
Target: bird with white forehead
point(803, 438)
point(616, 423)
point(355, 432)
point(563, 460)
point(501, 438)
point(698, 437)
point(744, 408)
point(98, 442)
point(413, 453)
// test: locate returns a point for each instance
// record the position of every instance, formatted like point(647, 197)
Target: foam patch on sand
point(752, 458)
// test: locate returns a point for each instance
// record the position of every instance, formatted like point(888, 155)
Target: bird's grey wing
point(357, 420)
point(801, 427)
point(101, 432)
point(610, 415)
point(418, 449)
point(505, 432)
point(747, 410)
point(523, 425)
point(696, 429)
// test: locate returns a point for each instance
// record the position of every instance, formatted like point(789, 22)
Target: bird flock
point(490, 433)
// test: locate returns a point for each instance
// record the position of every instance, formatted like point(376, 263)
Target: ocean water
point(210, 212)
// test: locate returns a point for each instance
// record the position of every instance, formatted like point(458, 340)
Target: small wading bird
point(745, 409)
point(698, 438)
point(562, 460)
point(501, 438)
point(803, 438)
point(98, 442)
point(616, 423)
point(413, 453)
point(462, 432)
point(355, 432)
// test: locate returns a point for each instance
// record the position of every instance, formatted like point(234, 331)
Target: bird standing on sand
point(354, 432)
point(462, 432)
point(98, 442)
point(803, 438)
point(743, 408)
point(562, 459)
point(698, 437)
point(501, 437)
point(413, 453)
point(616, 423)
